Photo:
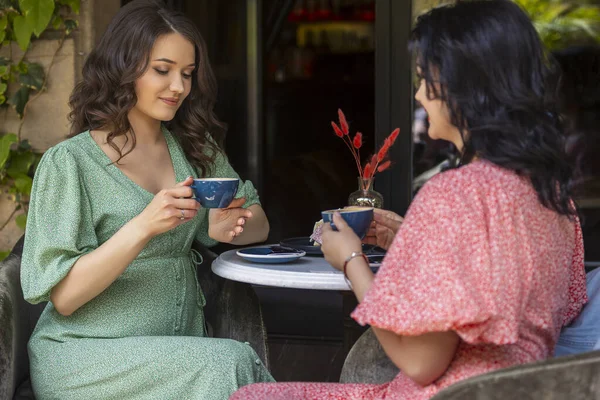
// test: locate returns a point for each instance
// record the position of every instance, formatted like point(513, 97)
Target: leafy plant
point(21, 82)
point(561, 23)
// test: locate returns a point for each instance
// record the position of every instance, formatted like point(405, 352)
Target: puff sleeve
point(59, 226)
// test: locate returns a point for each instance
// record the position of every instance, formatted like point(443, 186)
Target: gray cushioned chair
point(232, 311)
point(573, 377)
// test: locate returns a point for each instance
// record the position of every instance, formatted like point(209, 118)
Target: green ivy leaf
point(21, 220)
point(5, 142)
point(20, 99)
point(23, 184)
point(3, 87)
point(2, 37)
point(33, 78)
point(38, 158)
point(20, 163)
point(38, 14)
point(24, 145)
point(70, 25)
point(3, 22)
point(4, 254)
point(2, 99)
point(23, 67)
point(57, 22)
point(22, 31)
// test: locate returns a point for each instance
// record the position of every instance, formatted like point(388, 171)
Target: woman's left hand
point(224, 224)
point(337, 246)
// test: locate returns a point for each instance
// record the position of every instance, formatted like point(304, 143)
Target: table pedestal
point(352, 330)
point(306, 273)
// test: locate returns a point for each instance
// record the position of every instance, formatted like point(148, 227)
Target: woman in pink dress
point(488, 264)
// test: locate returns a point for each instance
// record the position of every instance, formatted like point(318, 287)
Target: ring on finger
point(182, 215)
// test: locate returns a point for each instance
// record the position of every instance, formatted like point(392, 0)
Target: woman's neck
point(147, 130)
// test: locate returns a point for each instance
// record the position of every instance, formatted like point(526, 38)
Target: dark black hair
point(485, 61)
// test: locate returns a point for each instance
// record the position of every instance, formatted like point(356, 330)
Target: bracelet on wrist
point(350, 258)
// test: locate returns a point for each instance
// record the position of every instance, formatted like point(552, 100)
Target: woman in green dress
point(112, 221)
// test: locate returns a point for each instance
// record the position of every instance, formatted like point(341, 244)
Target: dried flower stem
point(379, 161)
point(354, 154)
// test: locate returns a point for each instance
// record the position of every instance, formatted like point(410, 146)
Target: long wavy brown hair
point(106, 93)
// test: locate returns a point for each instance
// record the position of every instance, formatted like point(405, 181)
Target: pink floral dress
point(477, 254)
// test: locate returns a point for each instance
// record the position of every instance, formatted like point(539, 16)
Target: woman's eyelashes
point(166, 72)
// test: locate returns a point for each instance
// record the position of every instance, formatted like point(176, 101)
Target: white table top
point(308, 272)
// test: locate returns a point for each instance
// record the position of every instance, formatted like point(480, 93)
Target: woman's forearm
point(360, 275)
point(256, 229)
point(94, 272)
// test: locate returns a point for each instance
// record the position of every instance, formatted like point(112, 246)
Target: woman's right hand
point(169, 209)
point(383, 229)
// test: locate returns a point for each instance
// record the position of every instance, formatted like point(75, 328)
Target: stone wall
point(46, 121)
point(46, 117)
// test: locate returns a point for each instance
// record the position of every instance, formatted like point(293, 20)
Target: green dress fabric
point(144, 337)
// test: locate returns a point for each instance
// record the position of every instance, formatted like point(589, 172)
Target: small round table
point(304, 273)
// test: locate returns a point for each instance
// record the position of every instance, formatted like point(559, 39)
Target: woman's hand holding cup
point(169, 209)
point(225, 224)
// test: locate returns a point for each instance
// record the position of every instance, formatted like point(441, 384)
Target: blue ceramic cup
point(358, 218)
point(215, 192)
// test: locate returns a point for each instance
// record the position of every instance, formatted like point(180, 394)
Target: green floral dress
point(144, 337)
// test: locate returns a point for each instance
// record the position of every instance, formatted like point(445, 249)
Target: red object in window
point(324, 12)
point(298, 13)
point(366, 12)
point(367, 15)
